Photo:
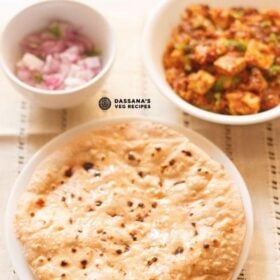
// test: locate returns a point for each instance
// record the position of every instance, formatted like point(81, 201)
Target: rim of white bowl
point(104, 70)
point(168, 92)
point(13, 245)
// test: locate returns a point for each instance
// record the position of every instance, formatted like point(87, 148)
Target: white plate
point(214, 152)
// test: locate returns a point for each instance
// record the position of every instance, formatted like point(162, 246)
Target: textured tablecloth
point(255, 150)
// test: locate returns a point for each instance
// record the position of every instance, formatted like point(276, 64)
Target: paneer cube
point(259, 54)
point(271, 98)
point(243, 103)
point(220, 17)
point(174, 59)
point(201, 53)
point(201, 82)
point(257, 82)
point(186, 95)
point(209, 52)
point(230, 64)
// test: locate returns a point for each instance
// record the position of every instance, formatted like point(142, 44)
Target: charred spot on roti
point(131, 156)
point(206, 246)
point(172, 162)
point(68, 172)
point(119, 251)
point(88, 165)
point(141, 174)
point(179, 182)
point(141, 205)
point(216, 243)
point(187, 153)
point(163, 168)
point(154, 204)
point(63, 263)
point(84, 264)
point(152, 261)
point(140, 218)
point(40, 203)
point(179, 250)
point(133, 236)
point(98, 202)
point(97, 173)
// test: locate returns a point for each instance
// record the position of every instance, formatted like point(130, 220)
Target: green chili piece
point(180, 46)
point(55, 31)
point(274, 70)
point(235, 81)
point(38, 78)
point(186, 48)
point(210, 96)
point(219, 85)
point(237, 44)
point(93, 52)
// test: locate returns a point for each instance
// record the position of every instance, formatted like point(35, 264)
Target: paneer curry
point(226, 60)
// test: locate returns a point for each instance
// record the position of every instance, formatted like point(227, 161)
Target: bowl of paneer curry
point(218, 64)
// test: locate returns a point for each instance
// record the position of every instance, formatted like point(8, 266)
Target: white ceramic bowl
point(213, 151)
point(157, 33)
point(37, 16)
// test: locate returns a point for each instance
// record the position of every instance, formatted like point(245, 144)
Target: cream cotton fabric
point(255, 149)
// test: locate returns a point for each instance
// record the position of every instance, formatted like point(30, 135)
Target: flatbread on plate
point(132, 201)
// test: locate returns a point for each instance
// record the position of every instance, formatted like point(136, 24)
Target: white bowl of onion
point(57, 53)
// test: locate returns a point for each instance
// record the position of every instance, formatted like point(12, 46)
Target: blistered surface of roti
point(132, 201)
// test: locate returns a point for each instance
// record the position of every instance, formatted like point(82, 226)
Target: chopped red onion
point(58, 58)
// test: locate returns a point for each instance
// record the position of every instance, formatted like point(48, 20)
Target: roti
point(135, 200)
